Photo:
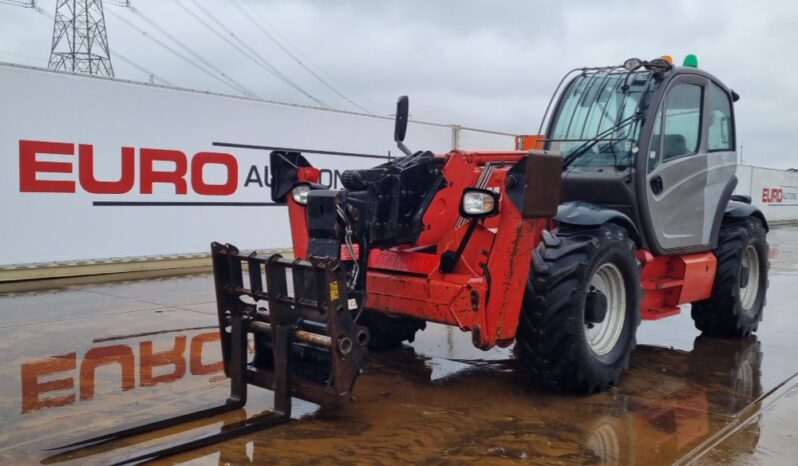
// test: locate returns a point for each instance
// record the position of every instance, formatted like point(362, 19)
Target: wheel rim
point(749, 276)
point(602, 337)
point(605, 443)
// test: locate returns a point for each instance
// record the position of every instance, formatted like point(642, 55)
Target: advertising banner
point(776, 193)
point(99, 169)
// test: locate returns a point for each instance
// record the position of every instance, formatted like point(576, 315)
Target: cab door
point(676, 168)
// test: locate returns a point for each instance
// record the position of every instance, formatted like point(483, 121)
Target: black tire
point(733, 368)
point(388, 332)
point(610, 438)
point(731, 372)
point(551, 338)
point(723, 314)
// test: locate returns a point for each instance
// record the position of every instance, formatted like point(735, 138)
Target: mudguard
point(740, 208)
point(588, 214)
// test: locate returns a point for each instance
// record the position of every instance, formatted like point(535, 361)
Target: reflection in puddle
point(413, 407)
point(57, 380)
point(489, 414)
point(439, 401)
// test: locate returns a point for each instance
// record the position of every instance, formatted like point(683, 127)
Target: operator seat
point(675, 145)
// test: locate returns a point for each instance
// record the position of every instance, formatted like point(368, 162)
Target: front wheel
point(738, 295)
point(581, 308)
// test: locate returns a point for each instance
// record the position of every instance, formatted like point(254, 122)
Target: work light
point(632, 64)
point(479, 203)
point(300, 194)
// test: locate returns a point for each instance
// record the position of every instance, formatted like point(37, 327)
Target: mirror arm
point(401, 145)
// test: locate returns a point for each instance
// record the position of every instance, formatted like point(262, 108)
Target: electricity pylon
point(80, 42)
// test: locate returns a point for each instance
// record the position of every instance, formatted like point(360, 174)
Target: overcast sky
point(483, 64)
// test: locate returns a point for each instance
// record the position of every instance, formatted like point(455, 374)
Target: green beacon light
point(690, 61)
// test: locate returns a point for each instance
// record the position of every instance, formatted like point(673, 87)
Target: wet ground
point(81, 359)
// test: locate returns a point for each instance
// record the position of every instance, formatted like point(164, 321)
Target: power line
point(193, 53)
point(235, 84)
point(175, 52)
point(142, 69)
point(122, 57)
point(23, 3)
point(300, 52)
point(208, 68)
point(254, 12)
point(147, 71)
point(16, 3)
point(297, 60)
point(220, 35)
point(258, 59)
point(254, 59)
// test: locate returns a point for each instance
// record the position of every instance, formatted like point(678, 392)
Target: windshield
point(599, 104)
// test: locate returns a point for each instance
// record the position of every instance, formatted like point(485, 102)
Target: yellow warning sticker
point(333, 291)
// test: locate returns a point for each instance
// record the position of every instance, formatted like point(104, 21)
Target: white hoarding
point(743, 179)
point(96, 168)
point(776, 193)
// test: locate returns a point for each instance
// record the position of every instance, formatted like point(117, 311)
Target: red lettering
point(29, 167)
point(195, 364)
point(204, 158)
point(86, 172)
point(32, 388)
point(95, 357)
point(150, 176)
point(33, 372)
point(770, 195)
point(174, 357)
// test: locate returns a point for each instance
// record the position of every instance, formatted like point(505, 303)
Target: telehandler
point(623, 211)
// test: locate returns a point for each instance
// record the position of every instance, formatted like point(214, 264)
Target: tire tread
point(547, 334)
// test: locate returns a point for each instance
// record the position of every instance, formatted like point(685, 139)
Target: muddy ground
point(81, 359)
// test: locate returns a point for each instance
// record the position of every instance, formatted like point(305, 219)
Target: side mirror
point(400, 126)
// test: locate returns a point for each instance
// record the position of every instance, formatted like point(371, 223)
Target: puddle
point(83, 359)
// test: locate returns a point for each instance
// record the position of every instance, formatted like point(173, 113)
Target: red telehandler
point(623, 212)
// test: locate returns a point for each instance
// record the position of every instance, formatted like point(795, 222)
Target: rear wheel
point(581, 308)
point(738, 296)
point(388, 332)
point(733, 368)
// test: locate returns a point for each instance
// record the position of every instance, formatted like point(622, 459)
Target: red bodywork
point(483, 294)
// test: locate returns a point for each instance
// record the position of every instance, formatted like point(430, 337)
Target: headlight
point(479, 203)
point(300, 194)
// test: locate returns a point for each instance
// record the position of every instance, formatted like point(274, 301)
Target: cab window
point(679, 119)
point(720, 135)
point(682, 125)
point(653, 153)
